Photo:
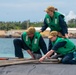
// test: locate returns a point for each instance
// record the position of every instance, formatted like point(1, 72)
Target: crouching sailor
point(62, 46)
point(32, 42)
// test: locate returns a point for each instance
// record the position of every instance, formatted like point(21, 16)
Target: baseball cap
point(53, 33)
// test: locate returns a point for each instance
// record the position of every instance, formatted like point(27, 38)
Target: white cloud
point(70, 16)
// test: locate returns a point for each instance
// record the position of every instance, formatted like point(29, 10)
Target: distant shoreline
point(43, 37)
point(17, 33)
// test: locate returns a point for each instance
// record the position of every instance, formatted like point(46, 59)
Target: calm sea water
point(7, 47)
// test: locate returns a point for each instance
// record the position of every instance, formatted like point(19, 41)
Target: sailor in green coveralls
point(55, 21)
point(32, 42)
point(62, 46)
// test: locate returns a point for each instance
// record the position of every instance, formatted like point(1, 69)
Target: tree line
point(25, 24)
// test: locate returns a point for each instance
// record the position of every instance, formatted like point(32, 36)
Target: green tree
point(72, 23)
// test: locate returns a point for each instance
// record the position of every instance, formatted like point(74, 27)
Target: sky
point(33, 10)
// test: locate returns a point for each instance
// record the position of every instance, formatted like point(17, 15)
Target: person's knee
point(65, 61)
point(16, 41)
point(37, 56)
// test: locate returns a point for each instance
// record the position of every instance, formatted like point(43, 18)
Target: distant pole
point(28, 22)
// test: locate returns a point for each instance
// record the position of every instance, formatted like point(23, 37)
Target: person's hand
point(66, 35)
point(40, 31)
point(49, 57)
point(41, 59)
point(32, 58)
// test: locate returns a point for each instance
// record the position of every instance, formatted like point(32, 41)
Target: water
point(7, 47)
